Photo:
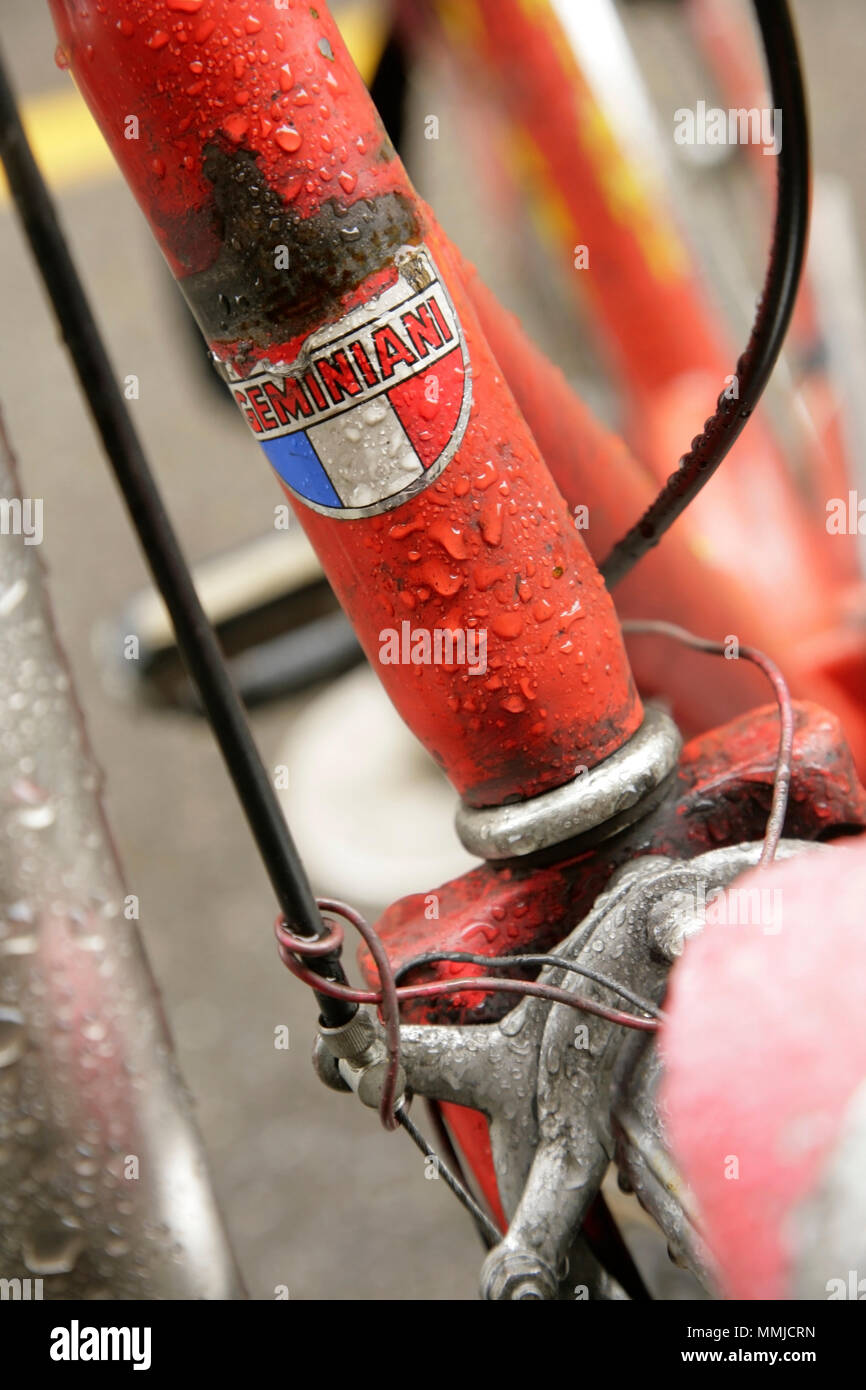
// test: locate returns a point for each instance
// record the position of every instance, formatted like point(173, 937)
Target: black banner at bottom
point(58, 1340)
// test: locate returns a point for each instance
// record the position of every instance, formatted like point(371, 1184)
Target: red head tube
point(333, 304)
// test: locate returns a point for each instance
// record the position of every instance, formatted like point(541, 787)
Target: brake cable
point(775, 306)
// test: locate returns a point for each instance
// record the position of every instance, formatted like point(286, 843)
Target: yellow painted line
point(66, 141)
point(364, 27)
point(68, 144)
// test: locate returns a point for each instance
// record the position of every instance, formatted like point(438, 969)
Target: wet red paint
point(557, 693)
point(184, 76)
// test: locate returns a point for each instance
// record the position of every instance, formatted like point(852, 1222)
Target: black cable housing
point(787, 254)
point(195, 636)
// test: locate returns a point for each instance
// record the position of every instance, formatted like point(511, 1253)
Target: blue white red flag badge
point(374, 406)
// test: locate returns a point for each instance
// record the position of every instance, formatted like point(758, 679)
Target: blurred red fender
point(766, 1079)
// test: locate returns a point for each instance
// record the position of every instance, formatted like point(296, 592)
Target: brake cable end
point(354, 1057)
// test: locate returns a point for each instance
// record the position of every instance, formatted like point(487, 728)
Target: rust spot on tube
point(279, 274)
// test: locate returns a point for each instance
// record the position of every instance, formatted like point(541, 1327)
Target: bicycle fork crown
point(614, 794)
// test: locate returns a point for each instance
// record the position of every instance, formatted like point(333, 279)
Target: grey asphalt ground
point(315, 1195)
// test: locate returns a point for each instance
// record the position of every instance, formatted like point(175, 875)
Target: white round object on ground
point(372, 814)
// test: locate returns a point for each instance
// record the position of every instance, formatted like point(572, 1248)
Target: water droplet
point(11, 597)
point(288, 138)
point(13, 1037)
point(450, 537)
point(236, 128)
point(542, 611)
point(513, 704)
point(485, 477)
point(51, 1250)
point(18, 946)
point(444, 580)
point(37, 817)
point(492, 522)
point(508, 625)
point(375, 413)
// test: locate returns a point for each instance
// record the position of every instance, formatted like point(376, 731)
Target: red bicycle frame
point(258, 134)
point(355, 342)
